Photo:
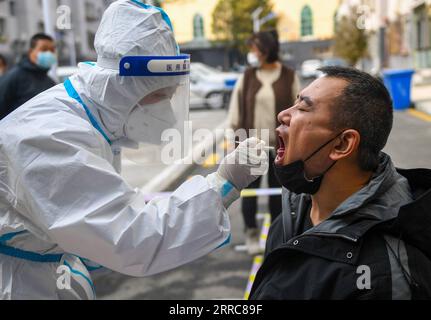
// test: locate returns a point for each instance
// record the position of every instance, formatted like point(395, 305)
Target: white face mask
point(253, 60)
point(146, 123)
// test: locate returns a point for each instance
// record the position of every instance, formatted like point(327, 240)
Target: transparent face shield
point(159, 121)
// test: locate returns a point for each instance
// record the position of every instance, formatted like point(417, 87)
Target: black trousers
point(249, 205)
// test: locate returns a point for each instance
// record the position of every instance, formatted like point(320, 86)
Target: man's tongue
point(280, 152)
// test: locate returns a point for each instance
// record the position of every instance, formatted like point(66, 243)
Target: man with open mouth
point(353, 226)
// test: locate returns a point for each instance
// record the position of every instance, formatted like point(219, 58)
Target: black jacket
point(381, 233)
point(21, 84)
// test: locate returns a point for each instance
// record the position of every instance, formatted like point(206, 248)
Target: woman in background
point(266, 88)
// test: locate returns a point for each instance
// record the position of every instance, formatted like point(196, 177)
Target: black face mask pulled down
point(292, 176)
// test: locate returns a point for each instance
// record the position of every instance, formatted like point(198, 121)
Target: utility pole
point(257, 22)
point(71, 42)
point(382, 10)
point(47, 18)
point(49, 29)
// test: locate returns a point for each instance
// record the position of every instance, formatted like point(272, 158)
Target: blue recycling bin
point(230, 83)
point(399, 83)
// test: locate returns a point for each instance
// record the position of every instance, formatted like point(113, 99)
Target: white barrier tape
point(260, 192)
point(246, 193)
point(265, 230)
point(257, 262)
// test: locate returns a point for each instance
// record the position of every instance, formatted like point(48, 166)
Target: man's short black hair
point(366, 106)
point(267, 43)
point(37, 37)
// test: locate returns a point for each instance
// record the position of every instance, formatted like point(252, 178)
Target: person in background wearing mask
point(3, 65)
point(30, 76)
point(265, 89)
point(64, 207)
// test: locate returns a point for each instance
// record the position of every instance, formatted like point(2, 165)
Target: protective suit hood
point(128, 28)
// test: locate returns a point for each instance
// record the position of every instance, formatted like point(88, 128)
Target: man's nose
point(285, 116)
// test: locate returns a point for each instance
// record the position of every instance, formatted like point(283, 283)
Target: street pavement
point(224, 273)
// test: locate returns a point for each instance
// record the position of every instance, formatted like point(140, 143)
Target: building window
point(2, 27)
point(40, 26)
point(422, 29)
point(91, 36)
point(2, 30)
point(90, 12)
point(198, 27)
point(12, 8)
point(306, 21)
point(335, 21)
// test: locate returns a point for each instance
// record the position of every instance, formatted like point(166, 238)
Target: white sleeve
point(81, 203)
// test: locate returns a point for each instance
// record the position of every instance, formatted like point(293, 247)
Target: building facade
point(399, 32)
point(74, 22)
point(298, 19)
point(421, 21)
point(305, 27)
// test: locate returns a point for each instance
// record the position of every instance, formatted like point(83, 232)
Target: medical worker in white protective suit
point(64, 208)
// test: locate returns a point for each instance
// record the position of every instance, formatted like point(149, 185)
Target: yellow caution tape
point(257, 262)
point(248, 193)
point(419, 114)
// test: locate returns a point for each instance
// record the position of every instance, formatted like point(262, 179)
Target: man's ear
point(346, 145)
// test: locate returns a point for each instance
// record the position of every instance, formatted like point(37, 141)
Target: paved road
point(224, 273)
point(409, 144)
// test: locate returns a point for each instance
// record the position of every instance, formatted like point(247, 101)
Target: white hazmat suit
point(64, 208)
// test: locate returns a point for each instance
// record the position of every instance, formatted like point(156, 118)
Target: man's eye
point(303, 107)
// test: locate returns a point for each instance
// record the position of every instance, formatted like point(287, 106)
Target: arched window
point(198, 27)
point(306, 21)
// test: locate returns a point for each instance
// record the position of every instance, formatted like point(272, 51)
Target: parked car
point(336, 62)
point(309, 68)
point(331, 62)
point(210, 87)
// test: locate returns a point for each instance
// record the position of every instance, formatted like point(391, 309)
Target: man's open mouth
point(280, 152)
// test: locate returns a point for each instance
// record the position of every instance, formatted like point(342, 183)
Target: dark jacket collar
point(413, 223)
point(26, 64)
